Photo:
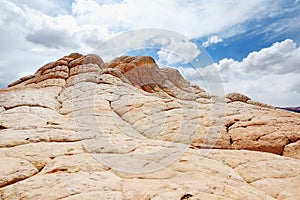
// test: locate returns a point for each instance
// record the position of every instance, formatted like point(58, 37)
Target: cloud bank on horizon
point(255, 44)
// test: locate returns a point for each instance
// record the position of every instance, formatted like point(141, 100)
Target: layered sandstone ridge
point(80, 128)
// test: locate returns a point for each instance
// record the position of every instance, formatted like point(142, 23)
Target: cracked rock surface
point(80, 128)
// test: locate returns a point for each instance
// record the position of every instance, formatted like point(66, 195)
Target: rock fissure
point(26, 105)
point(15, 181)
point(2, 127)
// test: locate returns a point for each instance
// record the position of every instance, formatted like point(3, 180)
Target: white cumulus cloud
point(212, 40)
point(178, 52)
point(270, 75)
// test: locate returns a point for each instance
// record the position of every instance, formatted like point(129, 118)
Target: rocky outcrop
point(80, 128)
point(243, 98)
point(56, 73)
point(237, 97)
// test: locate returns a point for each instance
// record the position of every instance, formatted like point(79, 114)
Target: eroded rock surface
point(80, 128)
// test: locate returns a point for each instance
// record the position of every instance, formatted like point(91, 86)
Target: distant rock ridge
point(80, 128)
point(293, 109)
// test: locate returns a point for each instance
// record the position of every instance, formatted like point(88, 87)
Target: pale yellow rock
point(62, 185)
point(15, 169)
point(284, 188)
point(292, 150)
point(270, 173)
point(51, 82)
point(43, 97)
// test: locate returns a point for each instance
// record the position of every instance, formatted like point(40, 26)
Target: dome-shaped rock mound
point(82, 128)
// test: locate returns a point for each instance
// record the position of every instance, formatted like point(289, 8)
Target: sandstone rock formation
point(80, 128)
point(240, 97)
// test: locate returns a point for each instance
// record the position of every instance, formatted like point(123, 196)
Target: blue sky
point(254, 44)
point(258, 34)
